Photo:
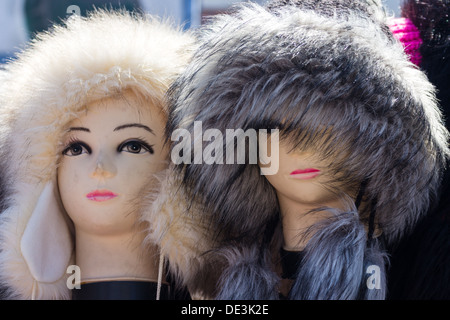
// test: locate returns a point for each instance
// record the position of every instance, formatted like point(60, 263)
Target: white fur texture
point(47, 87)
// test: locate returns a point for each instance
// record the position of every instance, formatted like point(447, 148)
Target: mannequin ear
point(46, 244)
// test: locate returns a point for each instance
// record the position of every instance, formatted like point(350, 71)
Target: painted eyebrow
point(79, 129)
point(134, 125)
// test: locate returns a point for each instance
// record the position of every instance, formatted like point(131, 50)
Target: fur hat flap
point(184, 236)
point(47, 243)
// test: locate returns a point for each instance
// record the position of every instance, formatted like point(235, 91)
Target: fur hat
point(45, 88)
point(292, 68)
point(371, 9)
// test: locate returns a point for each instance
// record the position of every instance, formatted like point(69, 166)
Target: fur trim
point(345, 9)
point(292, 68)
point(336, 258)
point(48, 86)
point(183, 238)
point(375, 256)
point(247, 277)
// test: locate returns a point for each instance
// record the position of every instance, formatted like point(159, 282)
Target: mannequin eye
point(135, 146)
point(76, 149)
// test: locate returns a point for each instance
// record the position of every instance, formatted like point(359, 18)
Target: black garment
point(131, 290)
point(120, 290)
point(420, 263)
point(290, 263)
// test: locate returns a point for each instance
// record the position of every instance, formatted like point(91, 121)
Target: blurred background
point(21, 19)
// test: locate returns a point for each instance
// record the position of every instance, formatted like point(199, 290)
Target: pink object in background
point(407, 33)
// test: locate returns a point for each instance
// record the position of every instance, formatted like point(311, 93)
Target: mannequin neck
point(115, 257)
point(297, 218)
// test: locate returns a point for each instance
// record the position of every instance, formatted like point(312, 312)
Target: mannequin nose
point(104, 170)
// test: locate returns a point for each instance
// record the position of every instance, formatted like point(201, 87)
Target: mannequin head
point(307, 177)
point(305, 185)
point(110, 154)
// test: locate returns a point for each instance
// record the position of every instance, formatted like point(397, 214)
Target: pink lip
point(101, 195)
point(305, 173)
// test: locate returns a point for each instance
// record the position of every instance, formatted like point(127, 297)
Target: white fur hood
point(41, 91)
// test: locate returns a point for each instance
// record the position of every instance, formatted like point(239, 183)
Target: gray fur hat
point(300, 69)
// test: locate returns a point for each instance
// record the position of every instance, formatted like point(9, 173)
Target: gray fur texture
point(300, 71)
point(336, 259)
point(248, 277)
